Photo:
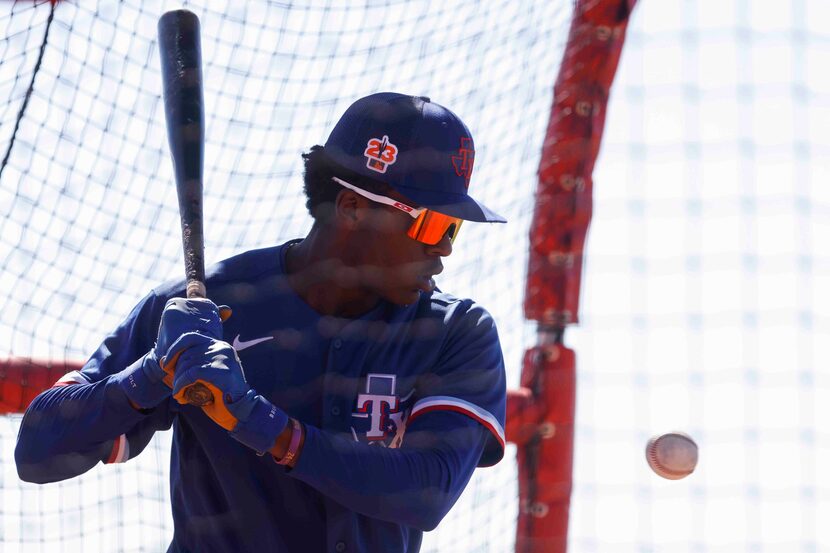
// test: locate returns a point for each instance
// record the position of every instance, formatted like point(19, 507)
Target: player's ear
point(349, 209)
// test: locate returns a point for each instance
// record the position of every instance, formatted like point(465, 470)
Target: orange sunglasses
point(429, 226)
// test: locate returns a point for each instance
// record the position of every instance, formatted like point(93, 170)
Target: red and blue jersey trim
point(121, 447)
point(70, 378)
point(448, 403)
point(120, 450)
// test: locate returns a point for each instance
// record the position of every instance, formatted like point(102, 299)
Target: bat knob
point(198, 395)
point(195, 289)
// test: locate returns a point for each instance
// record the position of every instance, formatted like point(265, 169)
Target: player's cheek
point(403, 296)
point(389, 255)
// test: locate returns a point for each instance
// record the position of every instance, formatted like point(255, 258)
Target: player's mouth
point(426, 284)
point(426, 281)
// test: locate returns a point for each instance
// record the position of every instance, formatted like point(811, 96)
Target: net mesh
point(90, 219)
point(706, 281)
point(706, 284)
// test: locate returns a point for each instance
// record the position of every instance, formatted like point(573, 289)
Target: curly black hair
point(321, 191)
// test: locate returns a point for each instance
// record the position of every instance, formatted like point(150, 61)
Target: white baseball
point(672, 455)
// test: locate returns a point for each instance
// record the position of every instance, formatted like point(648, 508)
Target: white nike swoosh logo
point(239, 345)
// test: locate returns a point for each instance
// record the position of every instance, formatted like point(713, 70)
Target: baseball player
point(352, 399)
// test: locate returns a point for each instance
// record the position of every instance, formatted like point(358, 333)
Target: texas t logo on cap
point(380, 153)
point(463, 162)
point(433, 152)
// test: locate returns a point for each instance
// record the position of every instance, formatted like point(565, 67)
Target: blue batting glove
point(143, 382)
point(182, 316)
point(250, 418)
point(148, 381)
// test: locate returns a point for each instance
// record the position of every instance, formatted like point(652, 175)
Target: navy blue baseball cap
point(418, 147)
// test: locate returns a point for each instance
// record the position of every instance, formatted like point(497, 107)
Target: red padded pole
point(22, 378)
point(541, 414)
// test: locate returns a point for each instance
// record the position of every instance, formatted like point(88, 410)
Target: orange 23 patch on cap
point(380, 153)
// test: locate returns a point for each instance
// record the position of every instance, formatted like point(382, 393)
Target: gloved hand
point(250, 418)
point(180, 317)
point(148, 381)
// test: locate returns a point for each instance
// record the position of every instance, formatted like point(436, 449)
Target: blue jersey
point(400, 405)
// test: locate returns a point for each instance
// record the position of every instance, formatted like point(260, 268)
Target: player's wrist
point(259, 422)
point(287, 448)
point(142, 382)
point(242, 407)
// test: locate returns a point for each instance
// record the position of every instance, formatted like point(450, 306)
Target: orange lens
point(431, 226)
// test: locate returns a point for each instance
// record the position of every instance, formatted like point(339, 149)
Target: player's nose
point(443, 248)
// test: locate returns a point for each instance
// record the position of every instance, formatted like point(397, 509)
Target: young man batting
point(352, 398)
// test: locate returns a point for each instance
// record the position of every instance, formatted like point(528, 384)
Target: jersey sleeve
point(133, 338)
point(469, 378)
point(86, 418)
point(415, 485)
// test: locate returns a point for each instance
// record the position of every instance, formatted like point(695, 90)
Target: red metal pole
point(543, 410)
point(21, 379)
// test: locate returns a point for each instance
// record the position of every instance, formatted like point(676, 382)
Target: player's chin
point(410, 294)
point(403, 296)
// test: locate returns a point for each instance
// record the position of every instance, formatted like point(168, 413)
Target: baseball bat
point(181, 75)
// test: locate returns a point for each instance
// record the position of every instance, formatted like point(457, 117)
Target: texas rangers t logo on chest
point(380, 414)
point(378, 401)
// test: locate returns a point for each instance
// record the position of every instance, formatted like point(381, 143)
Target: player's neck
point(317, 274)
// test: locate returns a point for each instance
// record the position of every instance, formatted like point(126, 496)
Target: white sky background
point(706, 285)
point(706, 292)
point(92, 222)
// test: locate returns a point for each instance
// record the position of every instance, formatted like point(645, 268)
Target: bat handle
point(197, 394)
point(195, 289)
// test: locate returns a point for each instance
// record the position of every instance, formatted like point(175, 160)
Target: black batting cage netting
point(703, 283)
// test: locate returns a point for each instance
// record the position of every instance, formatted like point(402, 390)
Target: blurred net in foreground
point(706, 278)
point(90, 221)
point(707, 285)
